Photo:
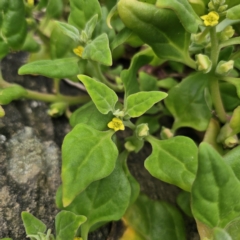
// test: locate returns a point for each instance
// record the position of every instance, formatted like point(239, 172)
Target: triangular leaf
point(32, 225)
point(88, 155)
point(98, 50)
point(215, 191)
point(103, 97)
point(178, 153)
point(137, 104)
point(67, 224)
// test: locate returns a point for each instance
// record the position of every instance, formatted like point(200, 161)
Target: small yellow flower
point(30, 2)
point(211, 19)
point(77, 238)
point(78, 51)
point(116, 124)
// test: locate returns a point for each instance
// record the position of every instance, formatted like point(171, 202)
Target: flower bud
point(142, 130)
point(203, 62)
point(166, 133)
point(227, 33)
point(222, 8)
point(211, 6)
point(83, 37)
point(231, 141)
point(118, 113)
point(57, 109)
point(2, 112)
point(129, 146)
point(224, 67)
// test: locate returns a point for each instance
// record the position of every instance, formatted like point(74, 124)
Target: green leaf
point(233, 229)
point(167, 83)
point(135, 187)
point(137, 104)
point(11, 93)
point(103, 97)
point(61, 44)
point(6, 239)
point(13, 27)
point(221, 234)
point(58, 68)
point(129, 76)
point(157, 28)
point(234, 13)
point(90, 26)
point(184, 202)
point(54, 8)
point(68, 30)
point(215, 191)
point(98, 50)
point(67, 224)
point(235, 82)
point(184, 11)
point(155, 220)
point(187, 102)
point(32, 225)
point(173, 161)
point(90, 115)
point(232, 159)
point(102, 201)
point(88, 155)
point(147, 82)
point(229, 96)
point(81, 11)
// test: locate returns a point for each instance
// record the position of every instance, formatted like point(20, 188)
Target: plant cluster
point(84, 42)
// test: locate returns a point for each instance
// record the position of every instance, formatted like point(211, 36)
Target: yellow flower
point(211, 19)
point(77, 238)
point(78, 51)
point(30, 2)
point(116, 124)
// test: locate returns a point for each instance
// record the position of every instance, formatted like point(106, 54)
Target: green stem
point(230, 42)
point(45, 97)
point(102, 78)
point(216, 98)
point(203, 35)
point(214, 48)
point(213, 80)
point(84, 231)
point(56, 85)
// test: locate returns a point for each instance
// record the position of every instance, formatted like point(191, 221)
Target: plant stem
point(216, 98)
point(235, 55)
point(203, 35)
point(46, 97)
point(102, 78)
point(213, 80)
point(232, 41)
point(56, 85)
point(214, 48)
point(84, 231)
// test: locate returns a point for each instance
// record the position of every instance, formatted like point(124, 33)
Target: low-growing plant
point(196, 39)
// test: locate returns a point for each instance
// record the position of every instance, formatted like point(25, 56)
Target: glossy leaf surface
point(98, 50)
point(178, 153)
point(13, 25)
point(138, 103)
point(103, 97)
point(215, 191)
point(152, 26)
point(88, 155)
point(82, 11)
point(103, 200)
point(155, 220)
point(59, 68)
point(90, 115)
point(32, 225)
point(187, 103)
point(67, 224)
point(184, 11)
